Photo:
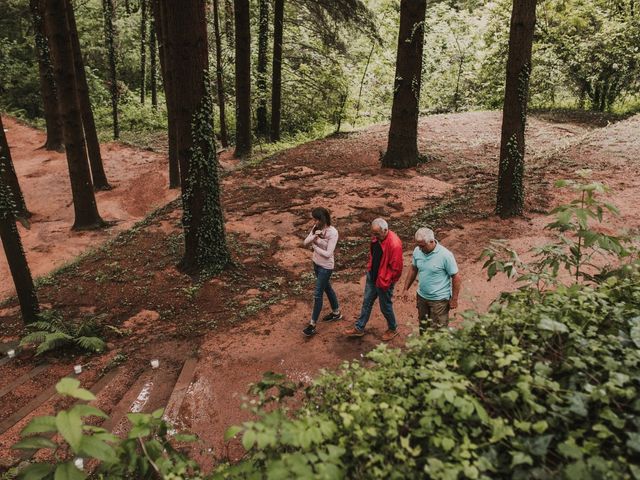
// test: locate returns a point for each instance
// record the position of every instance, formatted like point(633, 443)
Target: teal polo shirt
point(435, 270)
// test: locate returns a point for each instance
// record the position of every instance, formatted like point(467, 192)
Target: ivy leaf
point(551, 325)
point(634, 441)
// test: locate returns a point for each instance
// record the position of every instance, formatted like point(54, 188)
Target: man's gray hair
point(382, 223)
point(425, 235)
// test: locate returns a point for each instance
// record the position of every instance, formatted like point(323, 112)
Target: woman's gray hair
point(425, 235)
point(382, 223)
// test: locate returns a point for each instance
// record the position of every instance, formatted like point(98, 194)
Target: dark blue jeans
point(323, 285)
point(371, 292)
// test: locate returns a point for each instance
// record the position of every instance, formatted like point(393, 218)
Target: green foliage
point(576, 246)
point(145, 453)
point(52, 332)
point(540, 387)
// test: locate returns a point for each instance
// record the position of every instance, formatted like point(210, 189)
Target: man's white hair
point(382, 223)
point(425, 235)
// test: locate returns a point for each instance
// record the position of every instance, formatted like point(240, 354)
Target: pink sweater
point(323, 246)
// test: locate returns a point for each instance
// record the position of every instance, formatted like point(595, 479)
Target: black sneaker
point(332, 317)
point(309, 330)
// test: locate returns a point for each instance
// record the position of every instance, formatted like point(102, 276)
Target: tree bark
point(402, 148)
point(143, 49)
point(153, 67)
point(109, 12)
point(164, 47)
point(17, 260)
point(84, 201)
point(510, 198)
point(224, 138)
point(228, 23)
point(276, 71)
point(205, 244)
point(88, 123)
point(47, 85)
point(262, 128)
point(243, 78)
point(9, 177)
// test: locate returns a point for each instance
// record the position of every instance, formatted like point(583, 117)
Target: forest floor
point(248, 320)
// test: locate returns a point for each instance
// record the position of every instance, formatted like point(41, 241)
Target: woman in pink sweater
point(323, 239)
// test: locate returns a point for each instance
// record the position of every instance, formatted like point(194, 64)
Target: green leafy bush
point(543, 386)
point(52, 332)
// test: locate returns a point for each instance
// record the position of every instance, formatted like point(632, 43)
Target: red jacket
point(391, 263)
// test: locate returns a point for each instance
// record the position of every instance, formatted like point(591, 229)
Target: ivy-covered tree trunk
point(262, 128)
point(166, 69)
point(243, 78)
point(84, 200)
point(9, 177)
point(402, 148)
point(224, 138)
point(205, 244)
point(143, 49)
point(228, 23)
point(510, 198)
point(15, 256)
point(109, 12)
point(47, 85)
point(88, 123)
point(276, 71)
point(153, 67)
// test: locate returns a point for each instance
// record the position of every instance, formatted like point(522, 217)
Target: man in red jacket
point(383, 271)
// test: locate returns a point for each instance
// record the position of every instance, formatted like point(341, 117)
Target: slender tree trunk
point(205, 244)
point(143, 49)
point(127, 7)
point(109, 12)
point(9, 177)
point(510, 199)
point(224, 138)
point(47, 85)
point(153, 68)
point(262, 127)
point(84, 200)
point(402, 148)
point(243, 78)
point(228, 23)
point(168, 72)
point(364, 74)
point(16, 258)
point(276, 72)
point(91, 135)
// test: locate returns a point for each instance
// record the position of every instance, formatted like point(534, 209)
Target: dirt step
point(172, 411)
point(4, 348)
point(23, 378)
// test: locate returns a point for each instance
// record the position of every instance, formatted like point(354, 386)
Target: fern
point(34, 337)
point(94, 344)
point(54, 341)
point(43, 325)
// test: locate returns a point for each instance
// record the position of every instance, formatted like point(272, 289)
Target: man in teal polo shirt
point(438, 280)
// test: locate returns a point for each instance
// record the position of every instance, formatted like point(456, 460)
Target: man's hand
point(453, 303)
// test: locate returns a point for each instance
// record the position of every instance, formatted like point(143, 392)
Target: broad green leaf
point(34, 443)
point(71, 388)
point(248, 439)
point(45, 423)
point(232, 432)
point(35, 471)
point(95, 448)
point(68, 471)
point(551, 325)
point(70, 427)
point(83, 410)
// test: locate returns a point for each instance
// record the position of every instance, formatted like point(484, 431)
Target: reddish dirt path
point(139, 178)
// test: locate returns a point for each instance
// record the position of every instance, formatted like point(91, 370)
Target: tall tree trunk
point(84, 200)
point(143, 49)
point(88, 123)
point(262, 127)
point(166, 68)
point(16, 258)
point(224, 139)
point(276, 71)
point(228, 23)
point(109, 12)
point(402, 148)
point(510, 199)
point(153, 67)
point(47, 85)
point(205, 244)
point(364, 75)
point(9, 177)
point(243, 78)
